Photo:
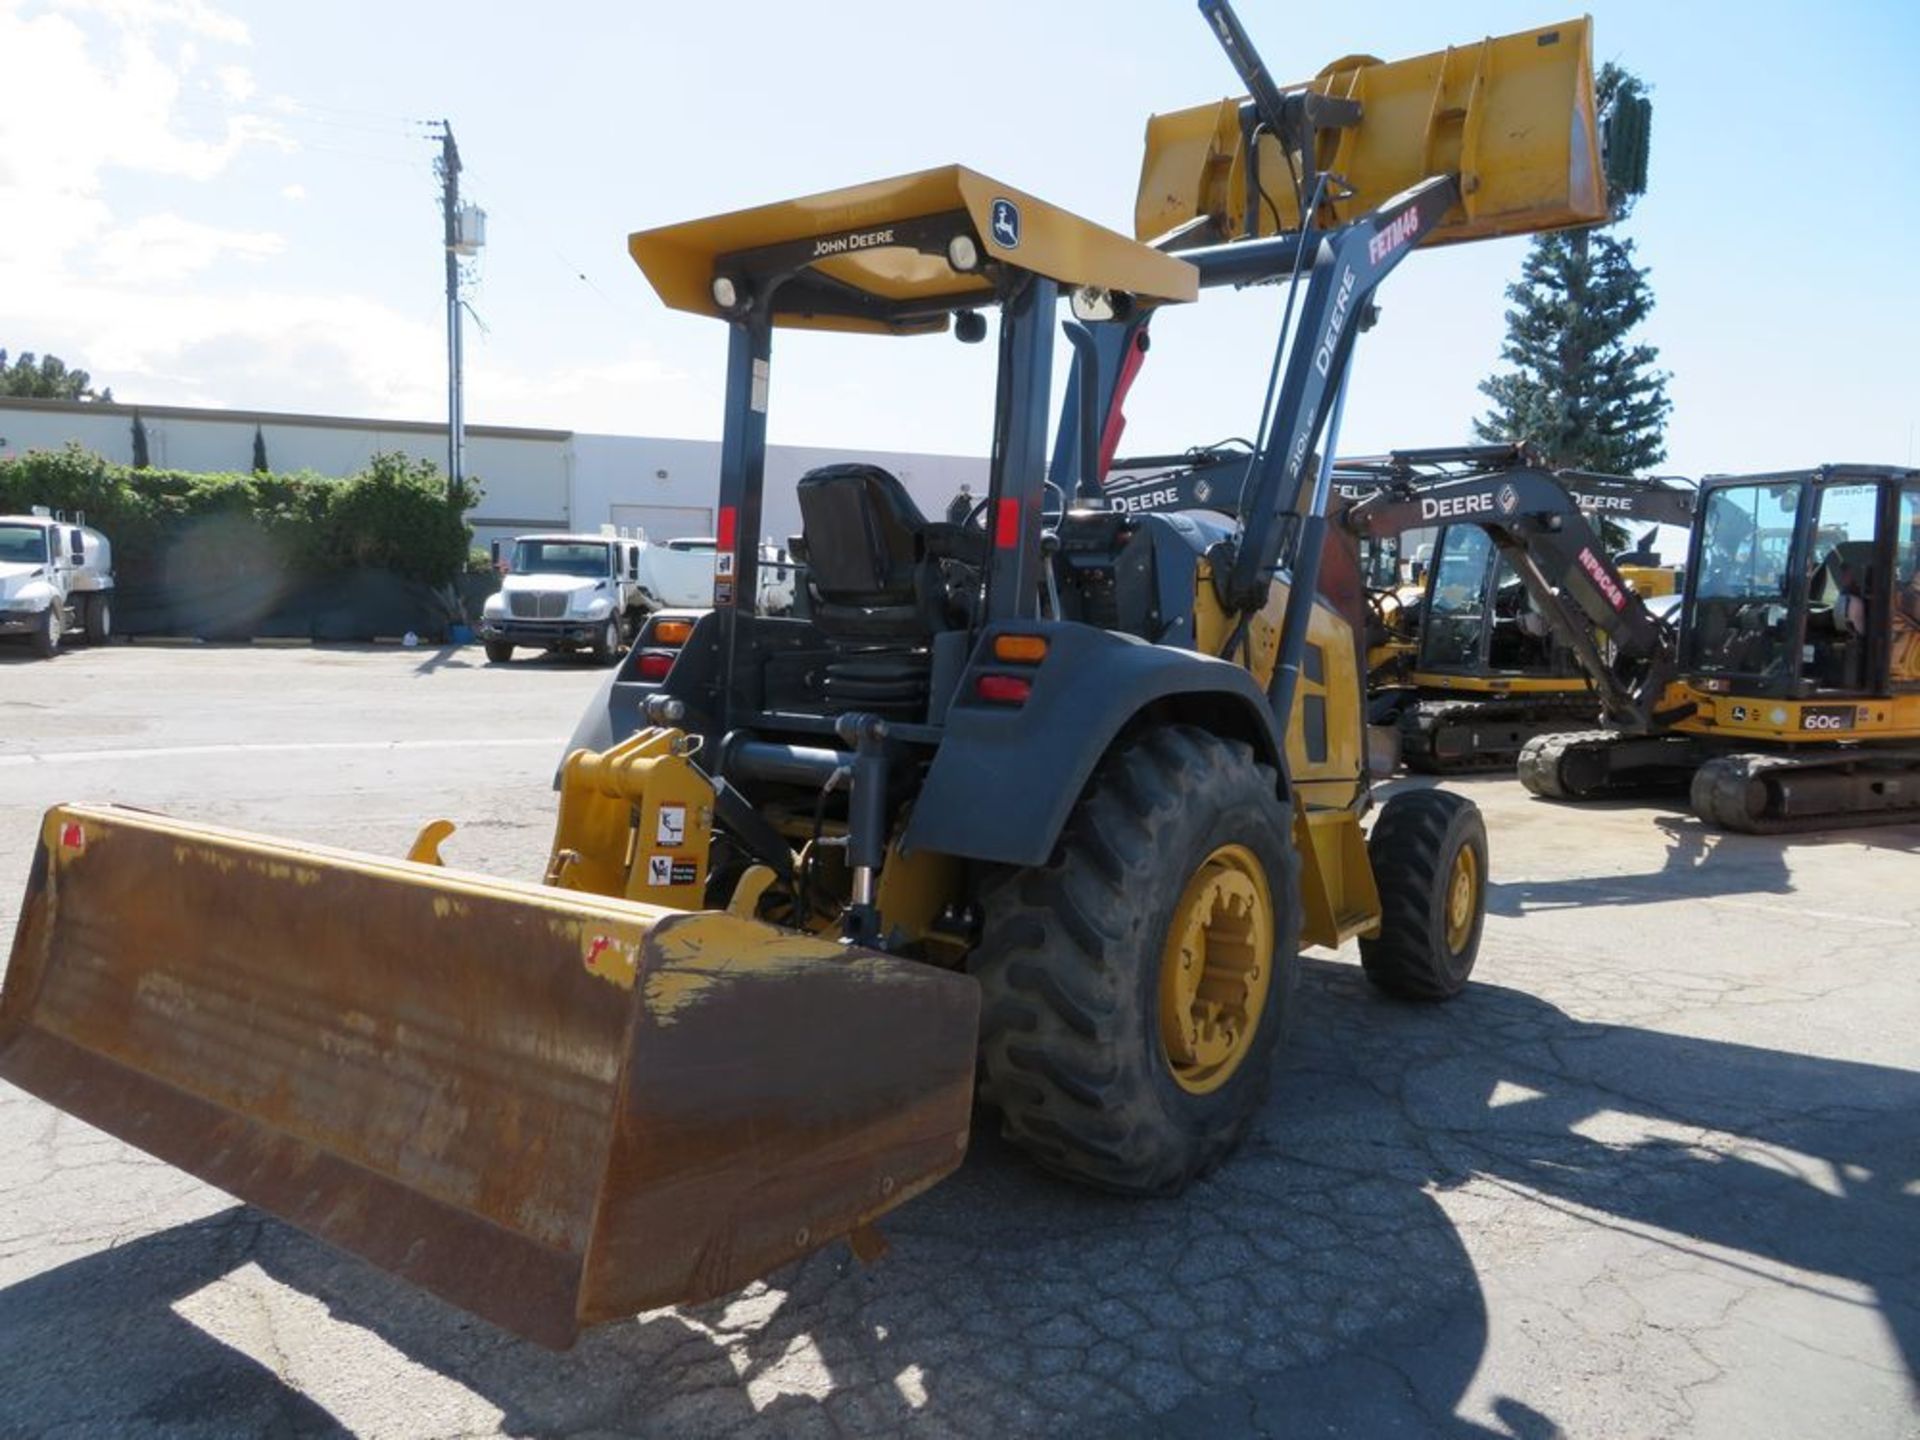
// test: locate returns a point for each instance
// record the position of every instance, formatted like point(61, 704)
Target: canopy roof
point(875, 257)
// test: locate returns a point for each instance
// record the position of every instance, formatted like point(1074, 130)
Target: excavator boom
point(1540, 524)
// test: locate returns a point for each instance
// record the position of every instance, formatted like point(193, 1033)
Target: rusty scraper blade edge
point(548, 1108)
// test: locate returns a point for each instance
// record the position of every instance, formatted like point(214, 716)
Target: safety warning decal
point(671, 870)
point(671, 828)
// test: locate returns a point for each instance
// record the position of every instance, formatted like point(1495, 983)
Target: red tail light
point(1006, 524)
point(1003, 689)
point(654, 664)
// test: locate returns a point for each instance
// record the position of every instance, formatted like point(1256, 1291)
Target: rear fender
point(1005, 778)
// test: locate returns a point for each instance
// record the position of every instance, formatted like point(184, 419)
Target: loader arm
point(1539, 524)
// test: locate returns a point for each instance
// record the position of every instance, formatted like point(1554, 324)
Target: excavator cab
point(1792, 696)
point(1480, 624)
point(1487, 668)
point(1798, 589)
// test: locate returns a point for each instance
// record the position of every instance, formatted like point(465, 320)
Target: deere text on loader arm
point(1055, 788)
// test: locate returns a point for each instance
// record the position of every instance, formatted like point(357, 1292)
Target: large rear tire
point(97, 616)
point(1429, 856)
point(1137, 987)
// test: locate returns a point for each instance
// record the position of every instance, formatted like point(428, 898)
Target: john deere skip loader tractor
point(1055, 790)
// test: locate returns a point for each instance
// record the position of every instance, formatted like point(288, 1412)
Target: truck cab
point(56, 578)
point(566, 592)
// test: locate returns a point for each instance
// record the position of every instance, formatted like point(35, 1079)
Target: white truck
point(592, 592)
point(568, 592)
point(56, 581)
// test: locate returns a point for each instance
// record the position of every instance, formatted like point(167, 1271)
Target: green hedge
point(394, 515)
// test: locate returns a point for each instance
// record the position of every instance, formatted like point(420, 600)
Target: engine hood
point(19, 576)
point(537, 584)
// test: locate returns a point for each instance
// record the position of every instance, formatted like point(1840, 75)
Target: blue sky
point(226, 204)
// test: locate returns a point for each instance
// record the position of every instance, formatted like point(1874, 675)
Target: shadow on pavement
point(1699, 862)
point(1314, 1285)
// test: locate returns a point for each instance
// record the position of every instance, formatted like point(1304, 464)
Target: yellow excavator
point(1464, 666)
point(1789, 694)
point(1054, 788)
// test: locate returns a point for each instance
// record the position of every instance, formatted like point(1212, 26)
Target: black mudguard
point(1006, 777)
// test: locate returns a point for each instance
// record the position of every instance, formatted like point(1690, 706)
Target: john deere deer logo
point(1004, 222)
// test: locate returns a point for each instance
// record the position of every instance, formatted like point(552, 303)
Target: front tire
point(1136, 988)
point(1429, 855)
point(606, 645)
point(45, 638)
point(499, 652)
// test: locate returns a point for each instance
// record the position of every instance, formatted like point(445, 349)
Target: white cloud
point(133, 297)
point(193, 16)
point(640, 393)
point(116, 112)
point(236, 82)
point(157, 249)
point(268, 348)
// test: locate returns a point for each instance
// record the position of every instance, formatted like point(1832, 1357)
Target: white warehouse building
point(532, 479)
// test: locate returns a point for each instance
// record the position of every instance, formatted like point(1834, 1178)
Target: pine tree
point(1580, 393)
point(259, 452)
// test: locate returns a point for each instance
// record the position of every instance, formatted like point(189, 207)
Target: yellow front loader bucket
point(549, 1108)
point(1512, 115)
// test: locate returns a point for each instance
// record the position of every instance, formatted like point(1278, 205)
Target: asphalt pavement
point(1656, 1174)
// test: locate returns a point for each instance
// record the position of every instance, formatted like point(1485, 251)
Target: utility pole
point(449, 169)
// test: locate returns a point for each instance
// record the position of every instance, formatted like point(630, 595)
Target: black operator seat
point(873, 559)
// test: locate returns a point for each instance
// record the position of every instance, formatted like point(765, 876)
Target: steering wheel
point(977, 515)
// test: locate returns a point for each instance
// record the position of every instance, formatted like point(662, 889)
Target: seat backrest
point(864, 535)
point(1855, 556)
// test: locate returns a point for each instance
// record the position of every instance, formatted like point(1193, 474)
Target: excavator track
point(1583, 765)
point(1452, 737)
point(1789, 794)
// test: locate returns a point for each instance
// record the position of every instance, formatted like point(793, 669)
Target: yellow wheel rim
point(1463, 898)
point(1216, 969)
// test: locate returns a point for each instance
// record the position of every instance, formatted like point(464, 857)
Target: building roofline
point(270, 417)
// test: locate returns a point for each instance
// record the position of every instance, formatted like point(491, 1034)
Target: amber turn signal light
point(1020, 649)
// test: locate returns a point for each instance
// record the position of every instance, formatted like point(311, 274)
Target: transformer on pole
point(465, 232)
